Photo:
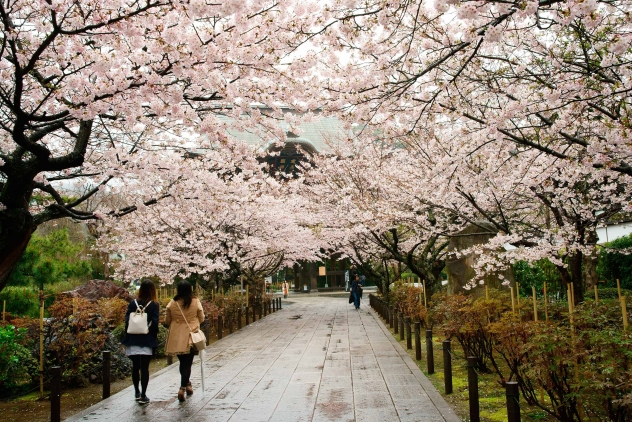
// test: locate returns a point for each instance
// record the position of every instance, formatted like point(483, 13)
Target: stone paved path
point(318, 359)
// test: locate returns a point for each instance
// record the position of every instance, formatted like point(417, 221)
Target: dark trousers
point(140, 372)
point(356, 299)
point(186, 361)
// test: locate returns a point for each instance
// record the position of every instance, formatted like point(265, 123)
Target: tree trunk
point(16, 228)
point(575, 264)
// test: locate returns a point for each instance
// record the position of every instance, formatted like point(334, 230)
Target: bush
point(50, 259)
point(17, 365)
point(608, 293)
point(22, 301)
point(613, 265)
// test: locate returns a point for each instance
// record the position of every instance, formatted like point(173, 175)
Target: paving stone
point(331, 364)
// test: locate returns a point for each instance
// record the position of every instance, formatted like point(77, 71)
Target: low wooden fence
point(259, 307)
point(402, 326)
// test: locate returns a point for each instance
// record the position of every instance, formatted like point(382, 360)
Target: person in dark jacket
point(140, 347)
point(356, 291)
point(353, 273)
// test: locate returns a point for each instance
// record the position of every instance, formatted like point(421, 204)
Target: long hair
point(184, 292)
point(147, 291)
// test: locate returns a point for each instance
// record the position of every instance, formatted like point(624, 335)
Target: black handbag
point(351, 297)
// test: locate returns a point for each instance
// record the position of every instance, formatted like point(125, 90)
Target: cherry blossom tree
point(85, 84)
point(386, 212)
point(536, 95)
point(222, 212)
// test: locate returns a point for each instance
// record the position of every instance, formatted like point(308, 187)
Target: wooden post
point(570, 308)
point(486, 292)
point(573, 295)
point(518, 294)
point(402, 335)
point(220, 326)
point(418, 340)
point(409, 340)
point(535, 305)
point(425, 297)
point(596, 295)
point(447, 366)
point(41, 348)
point(546, 305)
point(106, 373)
point(472, 382)
point(513, 401)
point(55, 394)
point(396, 323)
point(513, 305)
point(239, 316)
point(429, 352)
point(619, 288)
point(624, 312)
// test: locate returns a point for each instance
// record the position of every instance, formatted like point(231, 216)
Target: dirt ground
point(30, 408)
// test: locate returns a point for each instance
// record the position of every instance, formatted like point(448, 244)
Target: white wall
point(614, 231)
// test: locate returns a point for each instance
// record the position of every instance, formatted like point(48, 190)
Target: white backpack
point(138, 320)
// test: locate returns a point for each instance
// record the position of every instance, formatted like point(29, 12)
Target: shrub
point(17, 365)
point(613, 265)
point(72, 340)
point(608, 293)
point(21, 300)
point(407, 300)
point(468, 320)
point(112, 310)
point(49, 259)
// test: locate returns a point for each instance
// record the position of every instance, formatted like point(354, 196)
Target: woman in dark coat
point(356, 291)
point(140, 347)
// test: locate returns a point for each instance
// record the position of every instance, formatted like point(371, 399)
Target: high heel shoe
point(181, 392)
point(189, 389)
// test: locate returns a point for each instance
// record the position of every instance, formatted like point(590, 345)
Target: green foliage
point(17, 365)
point(21, 300)
point(613, 265)
point(535, 275)
point(608, 293)
point(51, 259)
point(119, 332)
point(163, 332)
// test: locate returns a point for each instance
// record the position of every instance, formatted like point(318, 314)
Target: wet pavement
point(317, 359)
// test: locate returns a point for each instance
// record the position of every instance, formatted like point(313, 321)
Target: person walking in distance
point(285, 289)
point(140, 347)
point(353, 272)
point(356, 291)
point(183, 311)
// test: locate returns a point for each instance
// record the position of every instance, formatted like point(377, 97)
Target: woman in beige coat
point(184, 308)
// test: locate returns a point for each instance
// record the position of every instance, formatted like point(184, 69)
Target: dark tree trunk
point(575, 264)
point(16, 228)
